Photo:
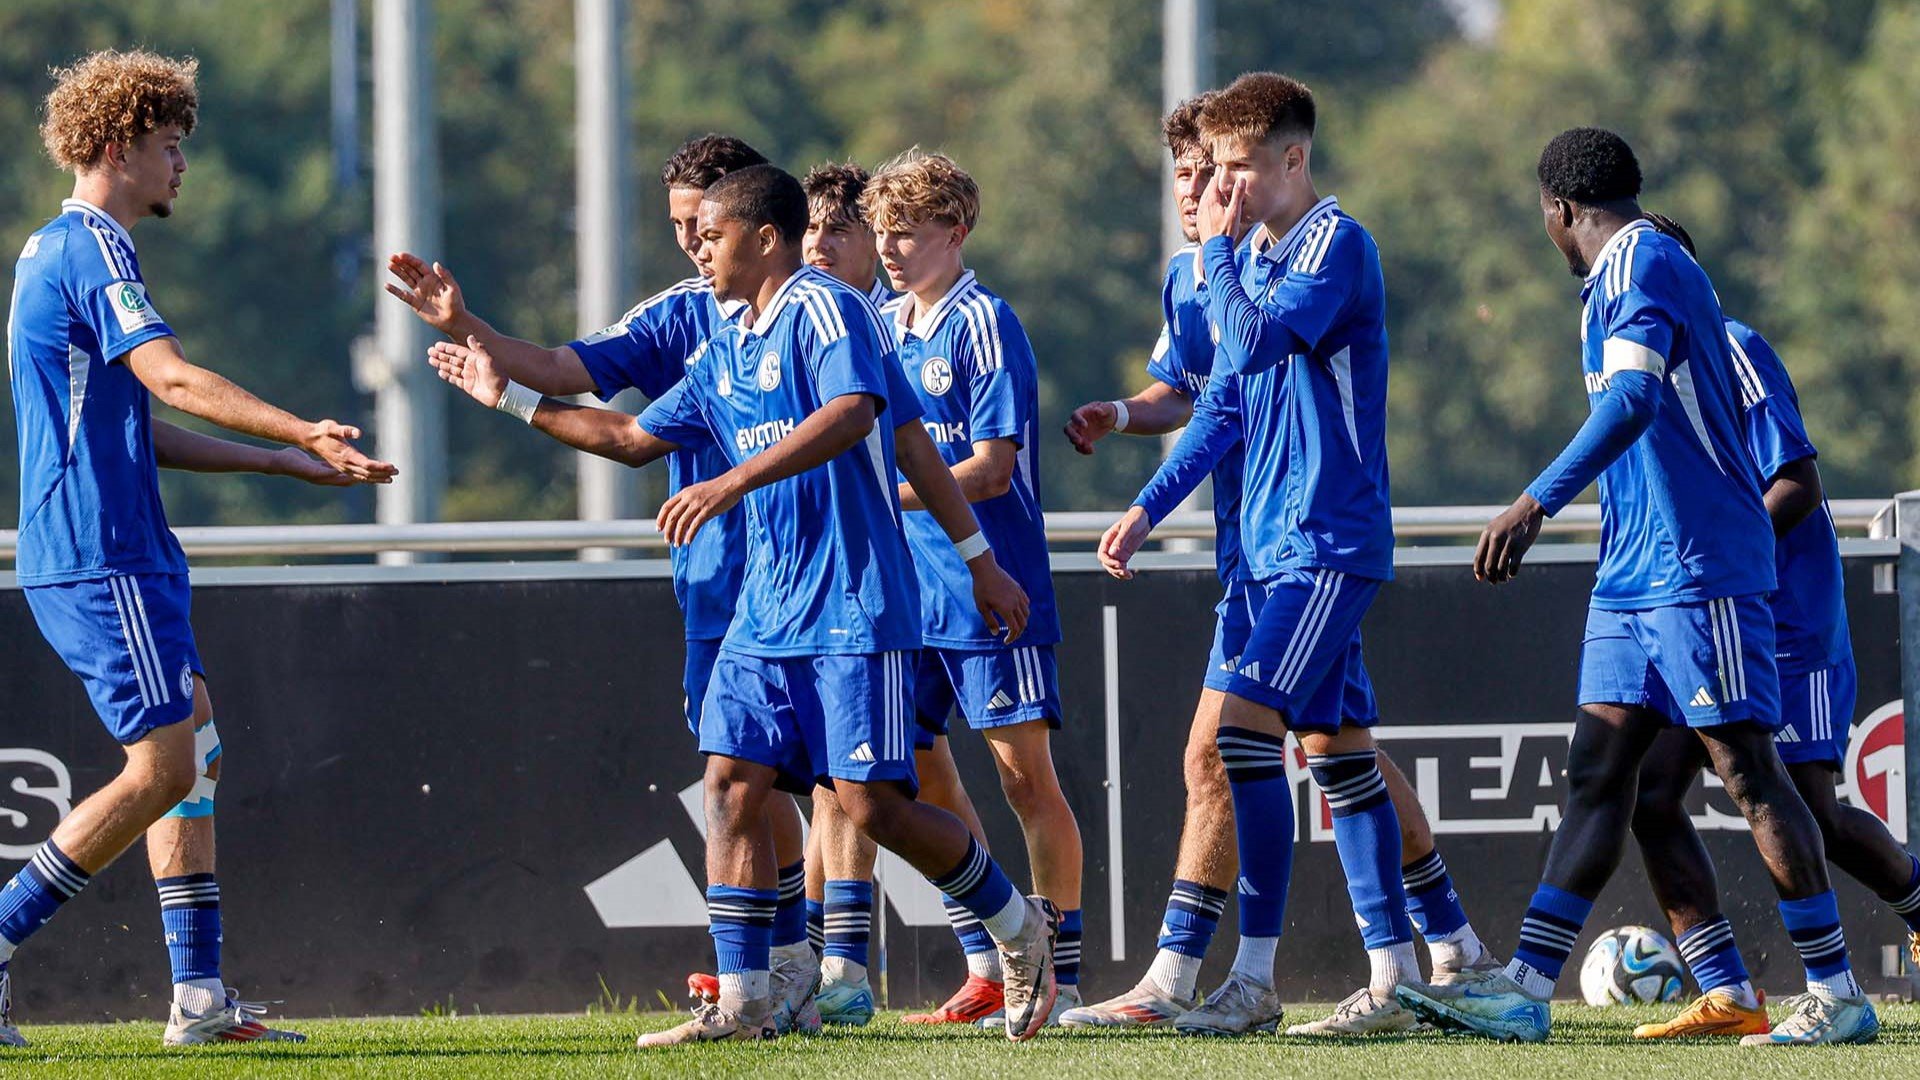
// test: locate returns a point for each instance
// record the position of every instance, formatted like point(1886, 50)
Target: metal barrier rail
point(1854, 516)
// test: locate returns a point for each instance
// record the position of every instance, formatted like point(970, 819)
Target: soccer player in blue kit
point(1817, 697)
point(813, 681)
point(648, 349)
point(87, 351)
point(1300, 380)
point(1181, 368)
point(967, 358)
point(1679, 631)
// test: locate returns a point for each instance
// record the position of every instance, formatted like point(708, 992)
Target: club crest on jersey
point(770, 372)
point(186, 681)
point(937, 376)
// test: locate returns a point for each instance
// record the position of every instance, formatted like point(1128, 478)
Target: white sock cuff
point(1006, 924)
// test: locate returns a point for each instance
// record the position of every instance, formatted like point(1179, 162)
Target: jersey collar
point(929, 324)
point(1612, 246)
point(1274, 251)
point(764, 323)
point(85, 207)
point(879, 294)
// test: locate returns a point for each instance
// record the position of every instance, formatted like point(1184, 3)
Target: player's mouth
point(820, 262)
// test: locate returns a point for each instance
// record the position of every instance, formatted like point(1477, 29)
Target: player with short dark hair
point(813, 681)
point(1818, 689)
point(1300, 324)
point(648, 349)
point(107, 582)
point(1181, 366)
point(1679, 631)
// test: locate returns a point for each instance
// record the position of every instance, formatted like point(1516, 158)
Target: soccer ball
point(1631, 965)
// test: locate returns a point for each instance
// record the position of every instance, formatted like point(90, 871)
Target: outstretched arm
point(1000, 599)
point(163, 369)
point(604, 432)
point(433, 294)
point(175, 447)
point(831, 430)
point(1621, 415)
point(1156, 410)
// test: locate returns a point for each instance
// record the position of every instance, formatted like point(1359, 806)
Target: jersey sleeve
point(1213, 431)
point(1001, 360)
point(1640, 325)
point(110, 294)
point(1776, 434)
point(846, 355)
point(1321, 279)
point(1166, 364)
point(677, 417)
point(647, 349)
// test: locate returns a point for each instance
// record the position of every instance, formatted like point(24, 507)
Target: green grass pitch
point(1586, 1043)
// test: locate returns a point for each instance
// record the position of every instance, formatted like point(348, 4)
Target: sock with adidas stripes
point(790, 911)
point(849, 920)
point(1713, 957)
point(741, 922)
point(1814, 926)
point(190, 915)
point(1552, 924)
point(817, 925)
point(1256, 766)
point(1432, 902)
point(49, 880)
point(1186, 930)
point(979, 885)
point(1066, 949)
point(1907, 904)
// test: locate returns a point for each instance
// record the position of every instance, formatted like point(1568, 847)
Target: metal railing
point(1853, 516)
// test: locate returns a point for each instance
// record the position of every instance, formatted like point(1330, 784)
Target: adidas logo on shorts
point(1701, 699)
point(1000, 700)
point(863, 752)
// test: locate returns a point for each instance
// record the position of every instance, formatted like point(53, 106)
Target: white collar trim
point(929, 324)
point(86, 207)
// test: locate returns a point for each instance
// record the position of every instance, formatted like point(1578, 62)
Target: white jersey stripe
point(126, 634)
point(161, 684)
point(1335, 580)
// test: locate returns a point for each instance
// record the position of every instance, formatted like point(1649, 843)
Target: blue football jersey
point(970, 364)
point(649, 349)
point(1315, 490)
point(89, 483)
point(1810, 603)
point(1681, 516)
point(827, 566)
point(1183, 359)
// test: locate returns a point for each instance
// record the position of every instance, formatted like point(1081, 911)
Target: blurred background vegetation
point(1781, 132)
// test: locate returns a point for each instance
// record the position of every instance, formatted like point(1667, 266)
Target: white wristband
point(520, 401)
point(972, 547)
point(1120, 415)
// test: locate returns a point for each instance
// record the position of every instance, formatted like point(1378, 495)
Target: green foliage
point(1779, 131)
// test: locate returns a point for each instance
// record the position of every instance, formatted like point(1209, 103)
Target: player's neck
point(777, 274)
point(100, 191)
point(1295, 209)
point(1592, 231)
point(928, 296)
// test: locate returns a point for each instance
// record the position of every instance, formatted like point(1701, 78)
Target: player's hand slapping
point(1001, 600)
point(1123, 540)
point(1090, 423)
point(430, 291)
point(469, 367)
point(332, 442)
point(1223, 209)
point(1506, 539)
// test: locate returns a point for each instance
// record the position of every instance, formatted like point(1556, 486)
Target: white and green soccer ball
point(1632, 965)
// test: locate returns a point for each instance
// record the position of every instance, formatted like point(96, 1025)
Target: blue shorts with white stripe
point(1699, 665)
point(814, 719)
point(990, 688)
point(1816, 708)
point(128, 639)
point(1303, 655)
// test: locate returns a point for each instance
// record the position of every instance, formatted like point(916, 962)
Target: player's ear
point(769, 238)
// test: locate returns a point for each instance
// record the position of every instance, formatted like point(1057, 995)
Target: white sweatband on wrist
point(972, 547)
point(1120, 415)
point(520, 401)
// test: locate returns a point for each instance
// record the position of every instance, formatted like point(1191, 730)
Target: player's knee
point(198, 802)
point(1201, 767)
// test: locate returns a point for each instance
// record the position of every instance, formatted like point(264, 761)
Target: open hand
point(297, 463)
point(469, 367)
point(1123, 540)
point(1090, 423)
point(429, 290)
point(1504, 542)
point(332, 443)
